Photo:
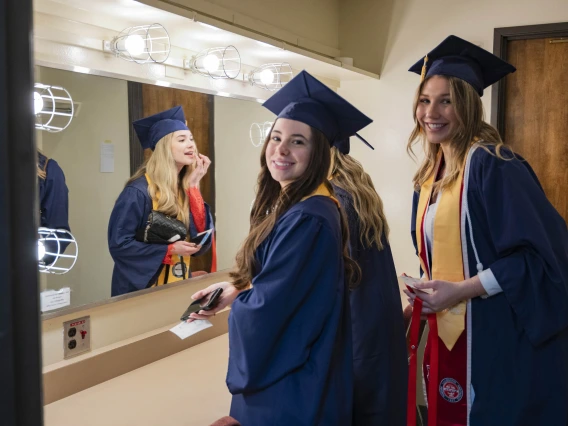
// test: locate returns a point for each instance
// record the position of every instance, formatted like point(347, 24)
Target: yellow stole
point(446, 263)
point(179, 270)
point(323, 191)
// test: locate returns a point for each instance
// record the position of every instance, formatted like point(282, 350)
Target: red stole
point(445, 357)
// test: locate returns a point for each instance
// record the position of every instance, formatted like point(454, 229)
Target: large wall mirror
point(99, 151)
point(99, 66)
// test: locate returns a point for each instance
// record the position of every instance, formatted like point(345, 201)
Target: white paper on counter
point(185, 329)
point(55, 299)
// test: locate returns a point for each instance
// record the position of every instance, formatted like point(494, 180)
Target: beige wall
point(415, 28)
point(236, 167)
point(103, 115)
point(363, 21)
point(311, 24)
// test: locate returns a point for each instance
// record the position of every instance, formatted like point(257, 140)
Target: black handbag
point(161, 229)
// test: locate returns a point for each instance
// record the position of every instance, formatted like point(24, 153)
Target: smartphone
point(202, 238)
point(206, 303)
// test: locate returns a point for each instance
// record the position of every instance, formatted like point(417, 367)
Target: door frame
point(20, 339)
point(501, 36)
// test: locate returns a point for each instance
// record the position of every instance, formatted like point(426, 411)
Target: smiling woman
point(163, 192)
point(289, 150)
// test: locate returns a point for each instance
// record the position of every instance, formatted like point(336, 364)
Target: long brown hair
point(348, 173)
point(272, 202)
point(471, 128)
point(168, 186)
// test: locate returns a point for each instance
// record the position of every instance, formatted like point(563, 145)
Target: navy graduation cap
point(306, 99)
point(459, 58)
point(151, 129)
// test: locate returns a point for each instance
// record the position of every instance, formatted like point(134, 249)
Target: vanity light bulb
point(40, 250)
point(211, 63)
point(135, 44)
point(267, 77)
point(38, 103)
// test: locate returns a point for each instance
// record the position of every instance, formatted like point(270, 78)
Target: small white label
point(185, 329)
point(55, 299)
point(107, 157)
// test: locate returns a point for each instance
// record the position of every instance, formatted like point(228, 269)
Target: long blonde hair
point(471, 128)
point(348, 173)
point(168, 186)
point(272, 202)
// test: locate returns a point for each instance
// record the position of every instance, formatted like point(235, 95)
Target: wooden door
point(198, 110)
point(536, 112)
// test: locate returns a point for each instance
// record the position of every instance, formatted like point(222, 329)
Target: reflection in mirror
point(154, 226)
point(99, 152)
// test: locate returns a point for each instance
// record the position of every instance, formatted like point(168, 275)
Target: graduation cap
point(459, 58)
point(306, 99)
point(151, 129)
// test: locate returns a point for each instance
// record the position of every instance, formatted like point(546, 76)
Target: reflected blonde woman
point(168, 182)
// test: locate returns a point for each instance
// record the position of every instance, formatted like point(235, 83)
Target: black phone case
point(196, 305)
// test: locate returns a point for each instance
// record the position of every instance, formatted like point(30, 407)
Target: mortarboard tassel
point(423, 73)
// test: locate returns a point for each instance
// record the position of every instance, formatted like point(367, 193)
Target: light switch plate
point(76, 337)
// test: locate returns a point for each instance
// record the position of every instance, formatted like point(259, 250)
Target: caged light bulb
point(211, 63)
point(267, 77)
point(135, 44)
point(38, 103)
point(40, 250)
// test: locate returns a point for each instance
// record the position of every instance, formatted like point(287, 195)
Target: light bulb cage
point(282, 74)
point(156, 44)
point(58, 109)
point(63, 262)
point(259, 132)
point(228, 58)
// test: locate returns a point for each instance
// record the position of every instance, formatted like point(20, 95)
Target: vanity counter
point(184, 389)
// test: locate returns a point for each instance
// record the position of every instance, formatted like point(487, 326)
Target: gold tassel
point(423, 73)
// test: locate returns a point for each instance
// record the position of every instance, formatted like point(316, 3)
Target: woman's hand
point(229, 294)
point(202, 163)
point(183, 248)
point(445, 294)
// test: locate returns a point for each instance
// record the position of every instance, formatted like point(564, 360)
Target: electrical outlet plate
point(76, 337)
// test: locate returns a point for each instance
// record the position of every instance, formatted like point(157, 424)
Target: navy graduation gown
point(379, 345)
point(136, 264)
point(53, 202)
point(290, 358)
point(519, 337)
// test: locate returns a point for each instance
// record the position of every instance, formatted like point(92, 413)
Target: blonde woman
point(494, 252)
point(379, 349)
point(167, 182)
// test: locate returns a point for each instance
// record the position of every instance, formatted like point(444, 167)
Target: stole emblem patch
point(451, 390)
point(179, 269)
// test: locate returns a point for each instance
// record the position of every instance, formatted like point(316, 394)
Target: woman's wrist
point(472, 288)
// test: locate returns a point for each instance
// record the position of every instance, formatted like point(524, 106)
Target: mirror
point(99, 151)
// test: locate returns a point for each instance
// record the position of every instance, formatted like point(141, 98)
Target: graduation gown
point(379, 345)
point(137, 265)
point(54, 203)
point(290, 358)
point(517, 339)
